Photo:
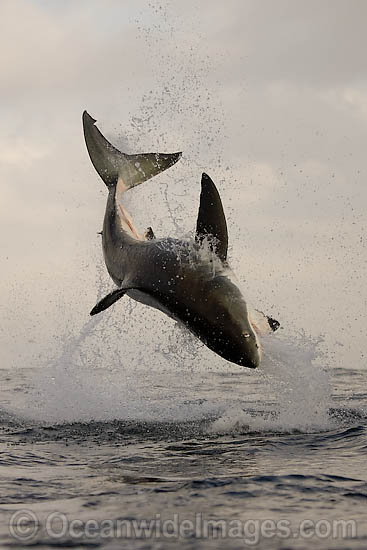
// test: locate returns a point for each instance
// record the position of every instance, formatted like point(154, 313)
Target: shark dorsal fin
point(111, 164)
point(211, 218)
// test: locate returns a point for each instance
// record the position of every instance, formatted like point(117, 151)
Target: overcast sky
point(268, 97)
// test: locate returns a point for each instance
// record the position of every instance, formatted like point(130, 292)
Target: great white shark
point(190, 282)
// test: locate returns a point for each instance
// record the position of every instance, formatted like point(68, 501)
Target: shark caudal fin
point(111, 164)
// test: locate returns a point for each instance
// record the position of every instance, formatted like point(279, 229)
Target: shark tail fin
point(112, 165)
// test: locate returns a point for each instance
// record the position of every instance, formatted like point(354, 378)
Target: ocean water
point(120, 448)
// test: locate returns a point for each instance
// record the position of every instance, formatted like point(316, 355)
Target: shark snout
point(251, 361)
point(250, 349)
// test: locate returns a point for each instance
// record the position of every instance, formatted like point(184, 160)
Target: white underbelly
point(148, 300)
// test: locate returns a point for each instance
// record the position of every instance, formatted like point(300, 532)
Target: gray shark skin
point(189, 282)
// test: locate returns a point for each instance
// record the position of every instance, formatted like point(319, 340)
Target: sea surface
point(105, 456)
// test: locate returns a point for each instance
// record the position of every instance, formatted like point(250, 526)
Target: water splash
point(297, 390)
point(136, 364)
point(165, 375)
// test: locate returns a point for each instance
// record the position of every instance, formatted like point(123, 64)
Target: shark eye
point(246, 334)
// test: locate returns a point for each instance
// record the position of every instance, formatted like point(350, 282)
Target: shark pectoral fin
point(263, 323)
point(211, 219)
point(111, 164)
point(108, 300)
